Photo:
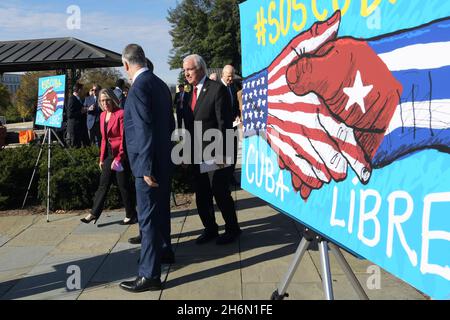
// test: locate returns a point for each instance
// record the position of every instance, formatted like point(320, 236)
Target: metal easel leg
point(48, 171)
point(35, 168)
point(348, 272)
point(280, 293)
point(326, 272)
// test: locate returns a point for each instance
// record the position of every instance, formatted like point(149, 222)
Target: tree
point(105, 77)
point(210, 28)
point(189, 30)
point(224, 34)
point(5, 99)
point(27, 95)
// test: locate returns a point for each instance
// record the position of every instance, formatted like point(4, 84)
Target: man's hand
point(295, 125)
point(100, 164)
point(151, 181)
point(361, 91)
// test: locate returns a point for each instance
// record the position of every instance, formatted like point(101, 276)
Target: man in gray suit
point(93, 116)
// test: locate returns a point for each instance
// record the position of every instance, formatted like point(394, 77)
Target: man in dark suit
point(93, 116)
point(148, 124)
point(228, 81)
point(75, 116)
point(209, 106)
point(118, 91)
point(178, 104)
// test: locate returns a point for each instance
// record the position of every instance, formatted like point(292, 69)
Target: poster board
point(51, 94)
point(346, 116)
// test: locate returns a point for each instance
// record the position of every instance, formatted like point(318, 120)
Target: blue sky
point(108, 23)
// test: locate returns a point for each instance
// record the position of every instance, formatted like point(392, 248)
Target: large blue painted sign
point(346, 108)
point(50, 107)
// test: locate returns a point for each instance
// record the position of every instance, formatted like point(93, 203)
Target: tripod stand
point(308, 237)
point(47, 135)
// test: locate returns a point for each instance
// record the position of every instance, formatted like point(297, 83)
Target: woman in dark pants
point(113, 160)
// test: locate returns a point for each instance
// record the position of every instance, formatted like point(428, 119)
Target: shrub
point(72, 184)
point(16, 168)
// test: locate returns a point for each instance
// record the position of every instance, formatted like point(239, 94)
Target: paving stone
point(12, 258)
point(296, 291)
point(204, 278)
point(41, 236)
point(51, 278)
point(271, 264)
point(390, 288)
point(114, 292)
point(98, 243)
point(11, 226)
point(121, 264)
point(10, 278)
point(4, 239)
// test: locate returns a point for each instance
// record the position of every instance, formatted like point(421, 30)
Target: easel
point(308, 237)
point(47, 135)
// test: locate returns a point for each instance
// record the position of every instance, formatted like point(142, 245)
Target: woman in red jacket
point(113, 160)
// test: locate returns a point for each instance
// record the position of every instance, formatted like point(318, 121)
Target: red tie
point(194, 99)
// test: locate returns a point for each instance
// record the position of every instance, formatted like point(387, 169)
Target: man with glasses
point(93, 115)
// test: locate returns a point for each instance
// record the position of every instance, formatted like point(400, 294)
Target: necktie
point(231, 96)
point(194, 99)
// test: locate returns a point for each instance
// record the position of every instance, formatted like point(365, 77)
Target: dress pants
point(151, 215)
point(95, 136)
point(218, 188)
point(125, 186)
point(74, 133)
point(165, 223)
point(179, 119)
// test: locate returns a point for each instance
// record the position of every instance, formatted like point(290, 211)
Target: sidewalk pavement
point(38, 259)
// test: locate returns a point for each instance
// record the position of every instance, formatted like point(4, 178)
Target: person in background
point(178, 104)
point(228, 81)
point(113, 161)
point(213, 76)
point(75, 116)
point(93, 115)
point(118, 91)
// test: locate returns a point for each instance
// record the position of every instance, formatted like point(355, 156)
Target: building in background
point(11, 81)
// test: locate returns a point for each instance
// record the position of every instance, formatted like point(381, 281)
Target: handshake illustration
point(48, 102)
point(331, 103)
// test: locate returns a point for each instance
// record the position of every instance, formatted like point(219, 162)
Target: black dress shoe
point(135, 240)
point(141, 284)
point(131, 221)
point(206, 237)
point(228, 237)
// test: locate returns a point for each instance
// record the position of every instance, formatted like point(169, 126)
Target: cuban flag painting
point(347, 130)
point(50, 106)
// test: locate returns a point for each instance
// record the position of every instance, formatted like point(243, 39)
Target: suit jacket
point(177, 101)
point(234, 103)
point(74, 109)
point(149, 123)
point(114, 134)
point(119, 94)
point(92, 116)
point(212, 109)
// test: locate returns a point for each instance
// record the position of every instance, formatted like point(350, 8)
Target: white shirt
point(200, 86)
point(138, 73)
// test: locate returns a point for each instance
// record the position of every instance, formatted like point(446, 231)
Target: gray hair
point(198, 62)
point(134, 55)
point(111, 95)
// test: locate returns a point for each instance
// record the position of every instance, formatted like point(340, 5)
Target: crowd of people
point(133, 129)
